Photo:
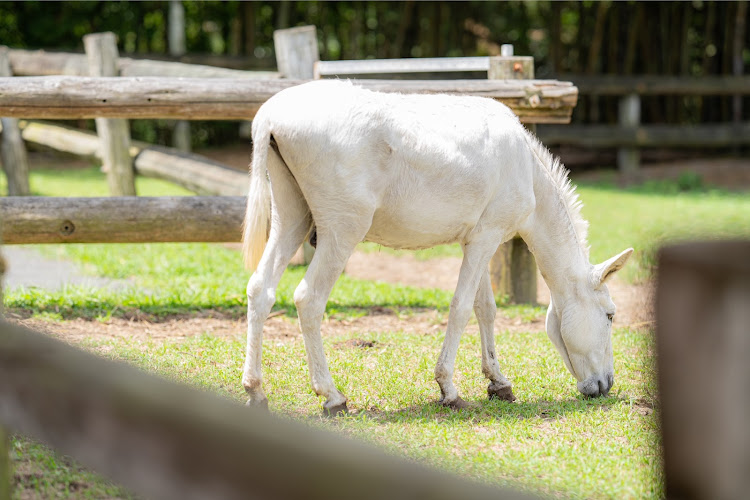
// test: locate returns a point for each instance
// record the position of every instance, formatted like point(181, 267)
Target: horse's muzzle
point(596, 386)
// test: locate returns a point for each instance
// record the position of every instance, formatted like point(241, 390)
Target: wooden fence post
point(513, 268)
point(703, 349)
point(114, 134)
point(629, 117)
point(13, 152)
point(296, 54)
point(176, 27)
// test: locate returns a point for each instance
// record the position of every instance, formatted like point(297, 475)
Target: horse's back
point(427, 166)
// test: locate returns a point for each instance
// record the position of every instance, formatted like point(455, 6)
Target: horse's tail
point(258, 213)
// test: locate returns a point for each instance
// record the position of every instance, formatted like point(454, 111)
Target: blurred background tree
point(619, 38)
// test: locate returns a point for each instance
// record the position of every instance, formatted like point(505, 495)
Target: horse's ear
point(602, 272)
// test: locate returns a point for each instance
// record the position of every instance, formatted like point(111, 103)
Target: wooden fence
point(227, 97)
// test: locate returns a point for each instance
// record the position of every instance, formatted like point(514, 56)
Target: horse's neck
point(550, 235)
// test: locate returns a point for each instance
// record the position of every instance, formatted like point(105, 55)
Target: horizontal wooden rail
point(658, 84)
point(164, 440)
point(61, 97)
point(122, 219)
point(43, 63)
point(693, 136)
point(412, 65)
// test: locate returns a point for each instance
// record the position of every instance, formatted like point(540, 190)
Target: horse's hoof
point(456, 404)
point(501, 392)
point(335, 410)
point(261, 404)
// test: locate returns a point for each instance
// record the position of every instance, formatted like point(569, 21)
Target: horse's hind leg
point(290, 224)
point(333, 250)
point(485, 310)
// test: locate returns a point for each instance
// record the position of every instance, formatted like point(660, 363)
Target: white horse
point(413, 171)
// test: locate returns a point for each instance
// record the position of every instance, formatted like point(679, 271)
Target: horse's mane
point(572, 203)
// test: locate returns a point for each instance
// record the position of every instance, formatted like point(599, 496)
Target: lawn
point(551, 441)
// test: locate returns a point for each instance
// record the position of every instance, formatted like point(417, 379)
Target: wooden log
point(412, 65)
point(604, 136)
point(61, 97)
point(513, 268)
point(43, 63)
point(703, 346)
point(194, 172)
point(296, 51)
point(13, 151)
point(165, 440)
point(122, 219)
point(114, 134)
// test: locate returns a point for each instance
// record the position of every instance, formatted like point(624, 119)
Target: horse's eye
point(610, 316)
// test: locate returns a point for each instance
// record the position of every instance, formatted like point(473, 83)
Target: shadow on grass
point(482, 411)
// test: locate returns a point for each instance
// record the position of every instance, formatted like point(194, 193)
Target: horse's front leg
point(476, 259)
point(485, 310)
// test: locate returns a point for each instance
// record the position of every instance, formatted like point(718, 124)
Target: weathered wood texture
point(695, 136)
point(43, 63)
point(703, 349)
point(114, 134)
point(164, 440)
point(296, 51)
point(413, 65)
point(12, 150)
point(61, 97)
point(189, 170)
point(511, 68)
point(122, 219)
point(196, 173)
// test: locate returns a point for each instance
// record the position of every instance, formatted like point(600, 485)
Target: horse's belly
point(403, 230)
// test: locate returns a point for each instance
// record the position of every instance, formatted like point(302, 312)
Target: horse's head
point(581, 328)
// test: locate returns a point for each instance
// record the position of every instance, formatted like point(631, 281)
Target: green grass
point(649, 216)
point(89, 182)
point(552, 440)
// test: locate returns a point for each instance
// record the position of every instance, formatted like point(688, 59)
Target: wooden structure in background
point(703, 347)
point(114, 133)
point(13, 150)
